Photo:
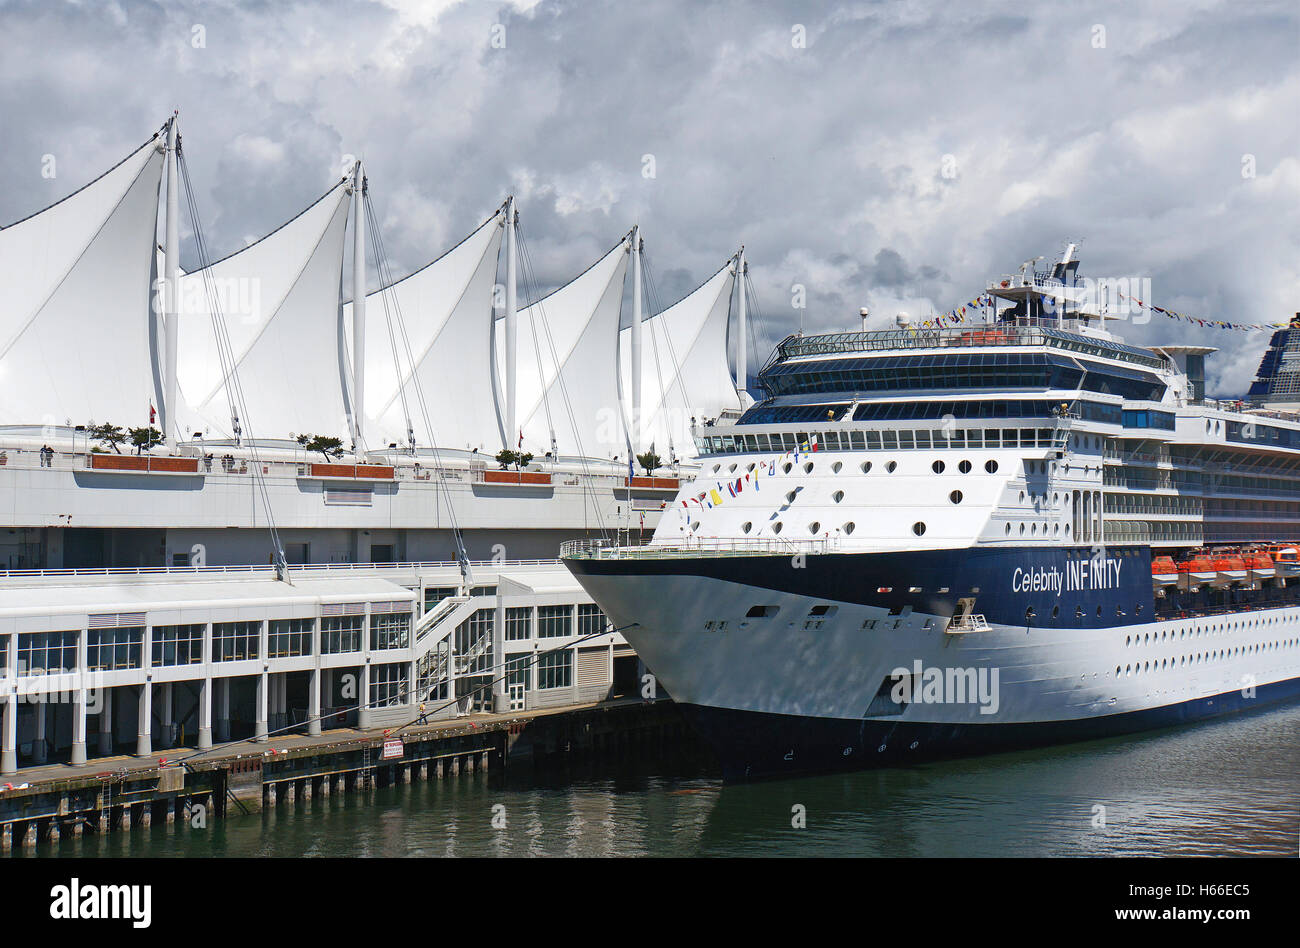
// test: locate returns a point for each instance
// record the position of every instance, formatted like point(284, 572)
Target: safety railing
point(706, 546)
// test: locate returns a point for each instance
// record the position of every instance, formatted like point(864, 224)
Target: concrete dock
point(185, 787)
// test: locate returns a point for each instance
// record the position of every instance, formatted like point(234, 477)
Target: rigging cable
point(229, 365)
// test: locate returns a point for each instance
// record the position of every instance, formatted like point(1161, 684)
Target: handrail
point(708, 546)
point(435, 616)
point(220, 570)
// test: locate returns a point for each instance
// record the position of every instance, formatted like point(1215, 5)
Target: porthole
point(1056, 611)
point(991, 466)
point(955, 497)
point(837, 496)
point(786, 467)
point(835, 468)
point(964, 467)
point(716, 468)
point(1008, 529)
point(790, 496)
point(891, 466)
point(808, 467)
point(732, 469)
point(815, 527)
point(776, 527)
point(1022, 528)
point(937, 467)
point(747, 526)
point(918, 528)
point(850, 527)
point(865, 467)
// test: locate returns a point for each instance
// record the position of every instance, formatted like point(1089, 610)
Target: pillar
point(205, 713)
point(79, 725)
point(144, 733)
point(363, 699)
point(313, 703)
point(263, 684)
point(9, 743)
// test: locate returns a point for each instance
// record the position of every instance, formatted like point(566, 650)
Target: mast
point(358, 307)
point(742, 319)
point(512, 326)
point(636, 338)
point(169, 423)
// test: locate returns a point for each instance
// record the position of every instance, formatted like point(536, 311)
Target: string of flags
point(1207, 323)
point(717, 495)
point(956, 316)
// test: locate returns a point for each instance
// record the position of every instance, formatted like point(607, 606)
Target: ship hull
point(846, 661)
point(757, 745)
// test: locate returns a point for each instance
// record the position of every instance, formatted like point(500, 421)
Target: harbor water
point(1229, 787)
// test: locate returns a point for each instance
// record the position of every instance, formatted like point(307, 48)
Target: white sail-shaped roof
point(75, 300)
point(446, 308)
point(568, 364)
point(684, 370)
point(279, 300)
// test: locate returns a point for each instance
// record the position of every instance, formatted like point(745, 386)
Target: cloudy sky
point(895, 155)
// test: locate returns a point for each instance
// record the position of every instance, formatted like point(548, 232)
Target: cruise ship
point(940, 540)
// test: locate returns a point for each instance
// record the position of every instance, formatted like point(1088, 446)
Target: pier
point(186, 788)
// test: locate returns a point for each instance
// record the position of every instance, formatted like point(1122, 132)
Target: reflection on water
point(1221, 788)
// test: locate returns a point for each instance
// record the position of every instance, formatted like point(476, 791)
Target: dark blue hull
point(752, 745)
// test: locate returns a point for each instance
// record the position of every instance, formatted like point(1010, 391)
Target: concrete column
point(205, 713)
point(223, 708)
point(79, 704)
point(39, 749)
point(106, 724)
point(363, 698)
point(79, 725)
point(144, 733)
point(9, 742)
point(313, 702)
point(263, 685)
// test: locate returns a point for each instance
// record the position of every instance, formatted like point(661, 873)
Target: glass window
point(46, 652)
point(390, 630)
point(177, 644)
point(235, 641)
point(114, 649)
point(289, 637)
point(340, 634)
point(555, 670)
point(388, 685)
point(590, 619)
point(519, 624)
point(554, 621)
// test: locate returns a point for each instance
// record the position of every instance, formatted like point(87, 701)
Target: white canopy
point(75, 314)
point(684, 371)
point(279, 300)
point(446, 308)
point(568, 364)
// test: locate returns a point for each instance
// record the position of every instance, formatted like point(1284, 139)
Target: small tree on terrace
point(145, 438)
point(111, 435)
point(327, 446)
point(651, 462)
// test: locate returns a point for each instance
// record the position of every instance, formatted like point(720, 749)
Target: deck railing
point(707, 546)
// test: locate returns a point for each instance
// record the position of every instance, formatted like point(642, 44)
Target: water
point(1230, 787)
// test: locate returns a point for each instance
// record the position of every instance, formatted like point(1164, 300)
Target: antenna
point(864, 313)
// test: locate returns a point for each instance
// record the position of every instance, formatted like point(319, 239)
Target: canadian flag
point(153, 415)
point(521, 438)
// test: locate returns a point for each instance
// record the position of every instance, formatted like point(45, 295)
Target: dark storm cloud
point(901, 158)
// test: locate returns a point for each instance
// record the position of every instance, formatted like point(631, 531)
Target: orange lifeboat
point(1286, 561)
point(1231, 568)
point(1198, 569)
point(1163, 571)
point(1260, 564)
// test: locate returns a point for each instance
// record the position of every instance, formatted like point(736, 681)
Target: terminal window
point(289, 637)
point(340, 634)
point(235, 641)
point(41, 652)
point(113, 649)
point(555, 670)
point(178, 644)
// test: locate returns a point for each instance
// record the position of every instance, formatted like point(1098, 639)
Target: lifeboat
point(983, 337)
point(1163, 571)
point(1286, 561)
point(1198, 569)
point(1231, 568)
point(1260, 565)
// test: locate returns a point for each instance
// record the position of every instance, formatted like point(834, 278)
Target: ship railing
point(703, 547)
point(961, 625)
